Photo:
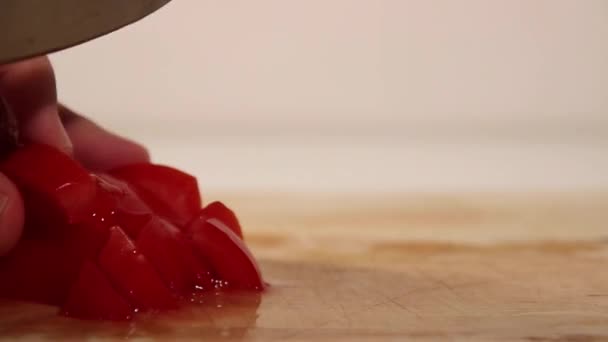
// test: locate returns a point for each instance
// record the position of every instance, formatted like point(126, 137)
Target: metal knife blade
point(34, 27)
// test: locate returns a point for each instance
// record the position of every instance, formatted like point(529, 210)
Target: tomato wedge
point(164, 245)
point(131, 272)
point(93, 297)
point(218, 210)
point(171, 193)
point(118, 204)
point(230, 259)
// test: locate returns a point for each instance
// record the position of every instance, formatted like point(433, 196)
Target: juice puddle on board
point(221, 315)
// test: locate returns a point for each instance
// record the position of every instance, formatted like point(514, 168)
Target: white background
point(342, 95)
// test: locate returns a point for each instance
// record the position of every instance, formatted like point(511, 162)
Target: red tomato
point(118, 204)
point(172, 194)
point(131, 272)
point(218, 210)
point(228, 256)
point(165, 247)
point(93, 297)
point(78, 253)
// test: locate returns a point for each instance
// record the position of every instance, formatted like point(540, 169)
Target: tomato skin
point(217, 210)
point(172, 194)
point(228, 256)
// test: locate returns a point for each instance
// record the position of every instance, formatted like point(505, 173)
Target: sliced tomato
point(200, 268)
point(56, 188)
point(118, 204)
point(228, 256)
point(93, 297)
point(86, 239)
point(115, 205)
point(218, 210)
point(132, 274)
point(78, 251)
point(164, 245)
point(171, 193)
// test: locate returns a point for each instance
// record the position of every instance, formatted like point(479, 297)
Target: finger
point(96, 148)
point(11, 215)
point(29, 89)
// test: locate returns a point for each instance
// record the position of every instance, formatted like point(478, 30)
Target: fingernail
point(68, 147)
point(63, 139)
point(45, 127)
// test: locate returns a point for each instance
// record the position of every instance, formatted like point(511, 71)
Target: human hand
point(30, 92)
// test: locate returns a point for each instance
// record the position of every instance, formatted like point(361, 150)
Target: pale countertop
point(384, 164)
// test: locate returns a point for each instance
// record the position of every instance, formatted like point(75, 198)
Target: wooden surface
point(394, 268)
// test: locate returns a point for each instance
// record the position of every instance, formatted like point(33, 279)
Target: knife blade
point(35, 27)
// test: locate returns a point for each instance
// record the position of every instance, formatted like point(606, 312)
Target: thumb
point(11, 215)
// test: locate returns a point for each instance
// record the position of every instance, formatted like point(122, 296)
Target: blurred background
point(359, 95)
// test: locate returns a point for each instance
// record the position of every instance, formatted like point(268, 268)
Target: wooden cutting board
point(393, 268)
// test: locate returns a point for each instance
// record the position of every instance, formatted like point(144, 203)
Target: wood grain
point(394, 268)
